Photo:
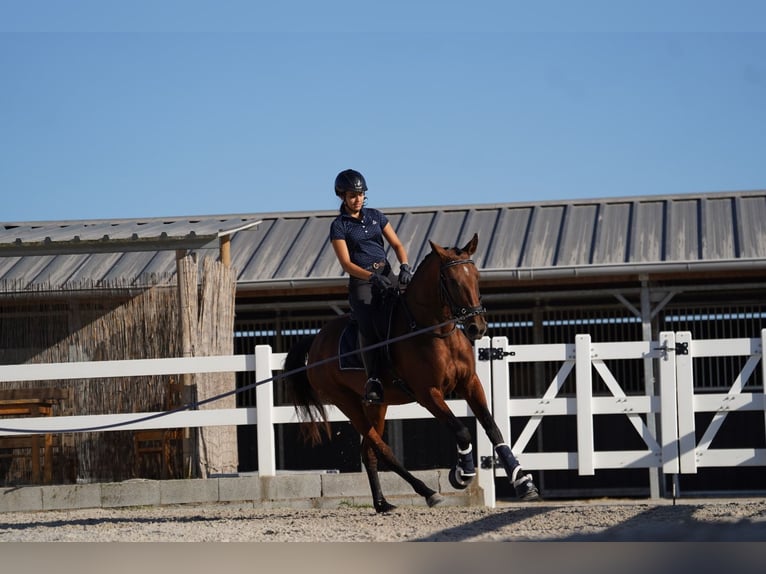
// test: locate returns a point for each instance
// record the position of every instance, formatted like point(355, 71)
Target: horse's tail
point(309, 408)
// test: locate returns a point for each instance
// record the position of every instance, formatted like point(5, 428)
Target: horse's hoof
point(526, 489)
point(384, 506)
point(435, 499)
point(458, 479)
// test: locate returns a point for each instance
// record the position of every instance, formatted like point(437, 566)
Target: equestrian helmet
point(349, 180)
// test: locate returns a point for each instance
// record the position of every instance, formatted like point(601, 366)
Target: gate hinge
point(494, 354)
point(488, 462)
point(679, 349)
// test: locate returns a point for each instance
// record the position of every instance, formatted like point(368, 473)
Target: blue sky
point(172, 108)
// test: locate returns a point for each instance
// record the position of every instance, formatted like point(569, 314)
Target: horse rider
point(357, 235)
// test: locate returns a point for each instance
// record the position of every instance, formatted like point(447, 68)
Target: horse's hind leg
point(375, 448)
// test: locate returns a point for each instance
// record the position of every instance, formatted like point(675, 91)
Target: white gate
point(695, 454)
point(667, 426)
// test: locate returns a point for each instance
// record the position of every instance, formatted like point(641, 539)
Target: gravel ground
point(585, 521)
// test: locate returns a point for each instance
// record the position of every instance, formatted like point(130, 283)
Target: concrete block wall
point(286, 490)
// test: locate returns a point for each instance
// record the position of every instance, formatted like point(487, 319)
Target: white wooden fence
point(671, 445)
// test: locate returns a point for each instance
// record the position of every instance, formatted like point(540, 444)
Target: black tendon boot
point(373, 388)
point(521, 481)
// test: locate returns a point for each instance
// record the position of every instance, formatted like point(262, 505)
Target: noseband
point(458, 313)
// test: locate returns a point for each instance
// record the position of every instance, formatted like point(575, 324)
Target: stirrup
point(373, 391)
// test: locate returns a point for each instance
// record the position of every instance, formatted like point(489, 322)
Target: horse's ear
point(439, 250)
point(471, 245)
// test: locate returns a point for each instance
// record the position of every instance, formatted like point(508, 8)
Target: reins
point(196, 404)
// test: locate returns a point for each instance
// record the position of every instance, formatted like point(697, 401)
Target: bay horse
point(436, 360)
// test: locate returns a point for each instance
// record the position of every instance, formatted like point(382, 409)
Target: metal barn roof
point(553, 239)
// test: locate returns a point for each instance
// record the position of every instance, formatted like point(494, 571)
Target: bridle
point(458, 313)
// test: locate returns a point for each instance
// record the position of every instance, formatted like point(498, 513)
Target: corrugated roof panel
point(752, 215)
point(129, 268)
point(7, 263)
point(326, 264)
point(274, 246)
point(398, 221)
point(245, 248)
point(58, 270)
point(413, 230)
point(544, 235)
point(305, 245)
point(444, 230)
point(718, 232)
point(163, 264)
point(576, 245)
point(647, 235)
point(8, 232)
point(62, 232)
point(612, 234)
point(26, 269)
point(683, 230)
point(122, 229)
point(291, 246)
point(447, 227)
point(94, 268)
point(481, 222)
point(504, 248)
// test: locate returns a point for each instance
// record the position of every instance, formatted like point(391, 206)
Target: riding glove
point(381, 281)
point(405, 274)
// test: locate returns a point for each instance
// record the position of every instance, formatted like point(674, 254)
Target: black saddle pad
point(348, 343)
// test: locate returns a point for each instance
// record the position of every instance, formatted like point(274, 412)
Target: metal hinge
point(494, 354)
point(679, 349)
point(487, 462)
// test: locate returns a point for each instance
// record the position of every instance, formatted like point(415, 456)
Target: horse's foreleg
point(465, 470)
point(522, 481)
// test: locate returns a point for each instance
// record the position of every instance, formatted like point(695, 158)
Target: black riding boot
point(373, 388)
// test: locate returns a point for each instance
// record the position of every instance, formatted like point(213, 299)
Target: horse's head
point(459, 286)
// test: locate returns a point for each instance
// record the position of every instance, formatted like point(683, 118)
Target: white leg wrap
point(469, 450)
point(517, 478)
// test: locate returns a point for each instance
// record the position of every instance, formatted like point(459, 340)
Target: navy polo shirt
point(363, 236)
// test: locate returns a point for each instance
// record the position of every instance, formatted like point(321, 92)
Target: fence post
point(484, 450)
point(687, 440)
point(668, 405)
point(264, 402)
point(584, 398)
point(763, 369)
point(501, 390)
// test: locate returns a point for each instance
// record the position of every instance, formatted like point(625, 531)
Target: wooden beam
point(224, 242)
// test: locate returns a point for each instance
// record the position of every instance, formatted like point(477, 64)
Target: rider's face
point(353, 201)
